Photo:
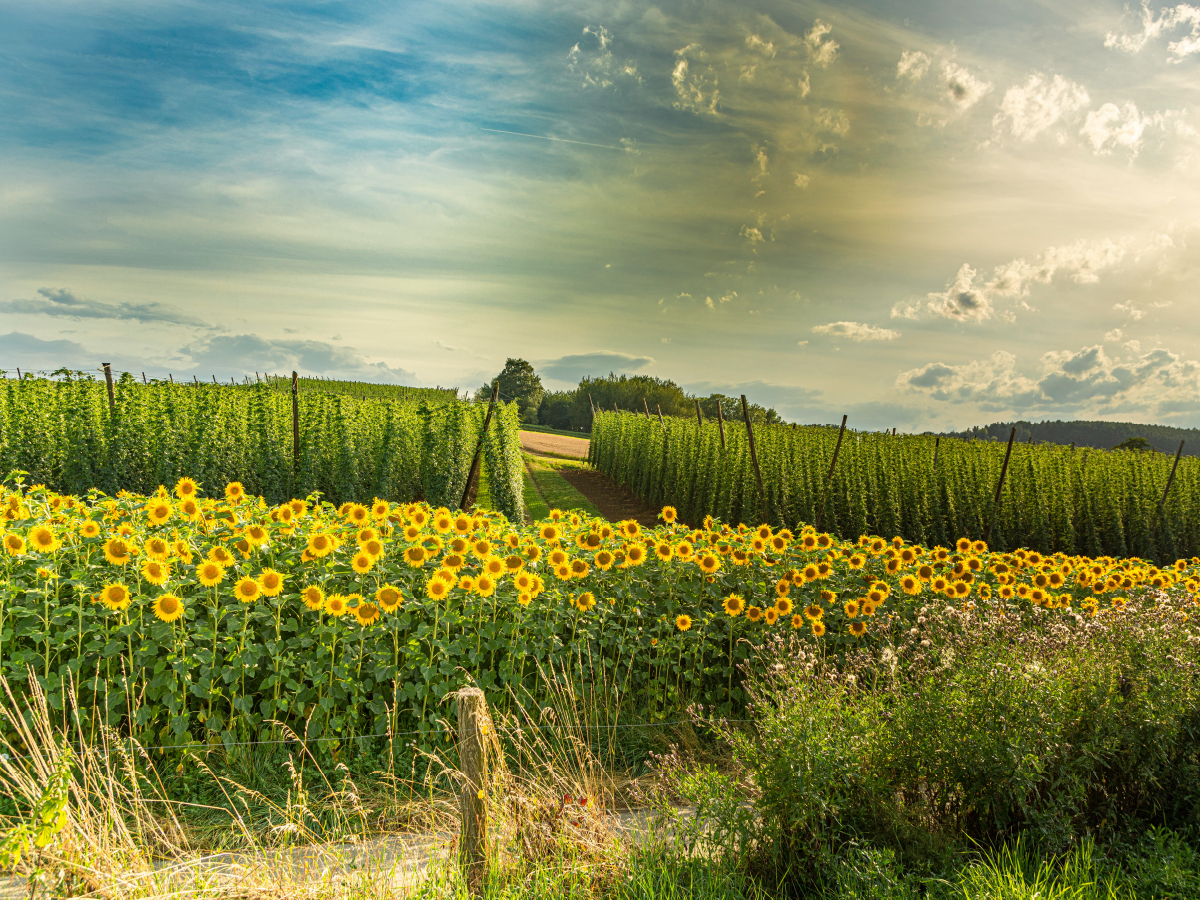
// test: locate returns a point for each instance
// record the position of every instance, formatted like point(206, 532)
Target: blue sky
point(923, 215)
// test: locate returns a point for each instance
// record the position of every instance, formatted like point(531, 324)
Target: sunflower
point(548, 532)
point(89, 529)
point(563, 572)
point(939, 584)
point(168, 607)
point(682, 622)
point(630, 528)
point(436, 589)
point(418, 517)
point(156, 572)
point(362, 563)
point(389, 598)
point(256, 535)
point(466, 583)
point(858, 628)
point(157, 548)
point(485, 585)
point(271, 582)
point(335, 605)
point(783, 606)
point(589, 540)
point(43, 540)
point(812, 612)
point(851, 608)
point(412, 532)
point(117, 551)
point(463, 524)
point(664, 551)
point(313, 597)
point(513, 563)
point(443, 523)
point(320, 544)
point(247, 589)
point(210, 573)
point(234, 492)
point(415, 556)
point(524, 598)
point(115, 596)
point(771, 614)
point(494, 566)
point(868, 608)
point(857, 561)
point(734, 605)
point(635, 554)
point(754, 613)
point(159, 511)
point(818, 628)
point(685, 551)
point(366, 613)
point(585, 601)
point(533, 552)
point(380, 509)
point(186, 487)
point(190, 508)
point(579, 568)
point(453, 561)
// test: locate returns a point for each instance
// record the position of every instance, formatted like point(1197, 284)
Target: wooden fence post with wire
point(112, 403)
point(762, 495)
point(473, 727)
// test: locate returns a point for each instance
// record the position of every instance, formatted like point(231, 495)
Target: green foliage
point(978, 734)
point(363, 390)
point(63, 434)
point(555, 410)
point(1134, 443)
point(1085, 501)
point(518, 383)
point(1164, 438)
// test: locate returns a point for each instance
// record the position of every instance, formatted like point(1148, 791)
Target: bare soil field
point(554, 444)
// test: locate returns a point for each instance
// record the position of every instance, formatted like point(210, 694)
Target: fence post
point(295, 421)
point(473, 724)
point(144, 381)
point(829, 478)
point(937, 445)
point(112, 403)
point(471, 475)
point(170, 378)
point(214, 379)
point(721, 424)
point(1170, 478)
point(699, 418)
point(762, 496)
point(660, 415)
point(1000, 486)
point(646, 406)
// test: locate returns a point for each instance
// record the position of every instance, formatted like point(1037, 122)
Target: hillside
point(1105, 435)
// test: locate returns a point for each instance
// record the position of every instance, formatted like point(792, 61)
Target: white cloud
point(64, 303)
point(804, 85)
point(834, 121)
point(758, 45)
point(821, 49)
point(597, 363)
point(967, 300)
point(752, 235)
point(1113, 336)
point(1169, 19)
point(963, 89)
point(802, 181)
point(695, 88)
point(592, 61)
point(1039, 104)
point(913, 65)
point(1154, 383)
point(1110, 128)
point(856, 331)
point(1130, 309)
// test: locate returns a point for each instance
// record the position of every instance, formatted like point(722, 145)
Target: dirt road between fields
point(554, 444)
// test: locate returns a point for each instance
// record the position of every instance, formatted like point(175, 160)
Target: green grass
point(552, 489)
point(545, 429)
point(535, 507)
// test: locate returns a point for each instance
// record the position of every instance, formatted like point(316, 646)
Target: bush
point(968, 731)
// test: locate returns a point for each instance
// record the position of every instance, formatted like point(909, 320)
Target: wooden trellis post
point(473, 723)
point(295, 421)
point(829, 478)
point(762, 495)
point(1000, 485)
point(721, 424)
point(112, 402)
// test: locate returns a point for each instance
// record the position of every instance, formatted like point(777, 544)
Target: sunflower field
point(1055, 500)
point(63, 434)
point(180, 618)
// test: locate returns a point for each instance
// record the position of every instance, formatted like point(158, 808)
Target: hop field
point(181, 618)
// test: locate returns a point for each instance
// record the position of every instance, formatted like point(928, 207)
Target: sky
point(922, 215)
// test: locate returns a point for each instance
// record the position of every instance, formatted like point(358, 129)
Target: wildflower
point(683, 622)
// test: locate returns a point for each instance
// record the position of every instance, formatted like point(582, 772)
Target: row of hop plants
point(64, 434)
point(183, 619)
point(1055, 499)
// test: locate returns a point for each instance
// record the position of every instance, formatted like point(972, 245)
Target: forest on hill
point(1102, 435)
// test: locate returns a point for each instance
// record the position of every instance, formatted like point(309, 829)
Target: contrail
point(544, 138)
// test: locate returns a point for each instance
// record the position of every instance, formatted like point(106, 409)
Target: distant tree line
point(571, 410)
point(1103, 435)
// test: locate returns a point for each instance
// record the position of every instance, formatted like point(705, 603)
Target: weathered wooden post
point(295, 421)
point(762, 495)
point(473, 725)
point(1000, 485)
point(829, 478)
point(721, 424)
point(112, 403)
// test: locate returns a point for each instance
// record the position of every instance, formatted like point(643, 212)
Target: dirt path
point(615, 501)
point(555, 444)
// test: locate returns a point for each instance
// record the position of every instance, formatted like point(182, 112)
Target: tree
point(555, 410)
point(518, 382)
point(731, 410)
point(1134, 443)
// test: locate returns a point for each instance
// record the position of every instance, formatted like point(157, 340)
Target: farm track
point(615, 501)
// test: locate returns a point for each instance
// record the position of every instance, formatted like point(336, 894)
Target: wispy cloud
point(856, 331)
point(65, 303)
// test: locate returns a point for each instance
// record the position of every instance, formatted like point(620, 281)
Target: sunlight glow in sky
point(923, 215)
